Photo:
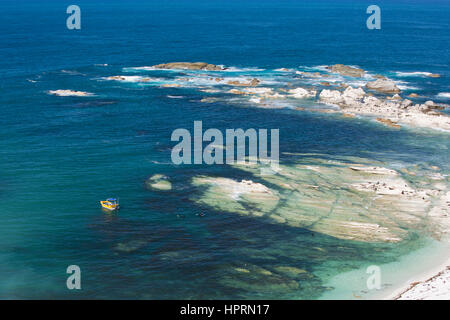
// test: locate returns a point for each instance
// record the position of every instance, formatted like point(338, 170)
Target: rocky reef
point(340, 198)
point(390, 111)
point(355, 91)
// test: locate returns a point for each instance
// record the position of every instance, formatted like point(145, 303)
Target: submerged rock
point(236, 91)
point(347, 70)
point(290, 271)
point(253, 278)
point(159, 182)
point(231, 195)
point(363, 202)
point(130, 246)
point(251, 83)
point(209, 100)
point(379, 76)
point(120, 78)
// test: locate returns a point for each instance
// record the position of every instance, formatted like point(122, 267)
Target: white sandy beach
point(432, 285)
point(422, 274)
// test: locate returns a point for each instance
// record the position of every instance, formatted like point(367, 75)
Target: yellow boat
point(110, 204)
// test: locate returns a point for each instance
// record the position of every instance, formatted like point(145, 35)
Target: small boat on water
point(110, 204)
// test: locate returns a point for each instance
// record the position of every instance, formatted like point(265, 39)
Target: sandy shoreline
point(430, 280)
point(431, 285)
point(400, 279)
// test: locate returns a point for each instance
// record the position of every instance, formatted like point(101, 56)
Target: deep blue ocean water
point(60, 155)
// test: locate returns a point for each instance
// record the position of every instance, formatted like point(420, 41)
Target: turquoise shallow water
point(60, 155)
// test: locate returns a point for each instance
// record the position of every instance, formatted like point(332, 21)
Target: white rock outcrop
point(383, 85)
point(331, 96)
point(300, 93)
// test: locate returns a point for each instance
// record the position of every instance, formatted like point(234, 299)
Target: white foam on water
point(210, 90)
point(139, 79)
point(284, 70)
point(369, 76)
point(69, 93)
point(319, 80)
point(357, 83)
point(404, 85)
point(269, 81)
point(72, 72)
point(275, 104)
point(175, 97)
point(124, 78)
point(237, 69)
point(443, 95)
point(199, 81)
point(256, 100)
point(354, 66)
point(413, 74)
point(315, 68)
point(131, 69)
point(208, 80)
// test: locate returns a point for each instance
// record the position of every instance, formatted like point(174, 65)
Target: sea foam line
point(413, 74)
point(444, 95)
